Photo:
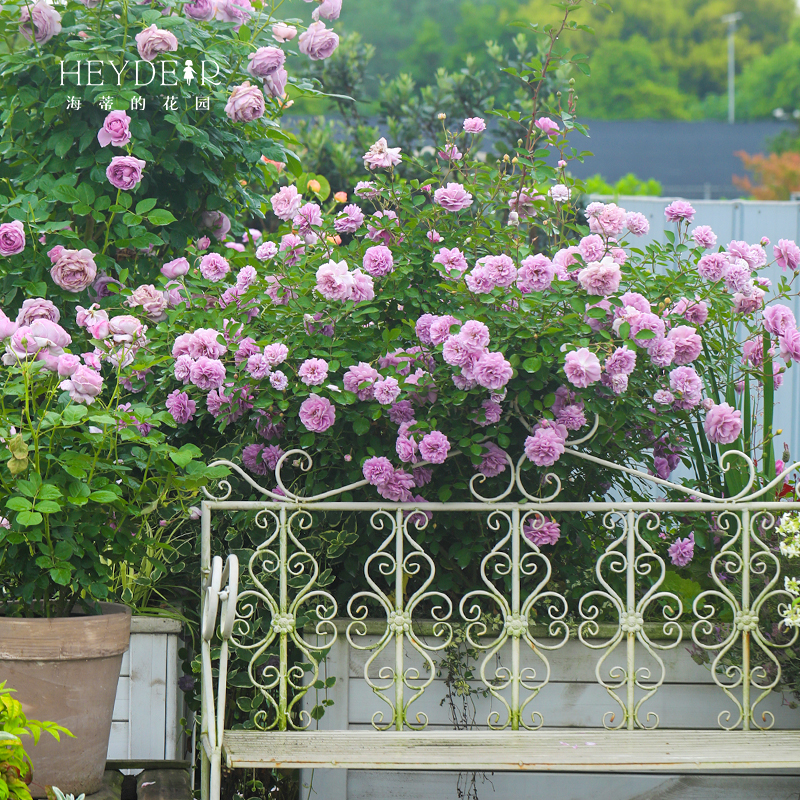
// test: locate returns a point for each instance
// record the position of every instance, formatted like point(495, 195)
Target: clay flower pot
point(66, 670)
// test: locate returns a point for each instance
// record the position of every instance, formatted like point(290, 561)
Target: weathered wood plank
point(148, 696)
point(122, 700)
point(564, 750)
point(118, 741)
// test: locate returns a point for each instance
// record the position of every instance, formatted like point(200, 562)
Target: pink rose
point(84, 385)
point(7, 327)
point(582, 368)
point(125, 172)
point(283, 33)
point(37, 308)
point(245, 104)
point(152, 41)
point(213, 267)
point(317, 42)
point(152, 301)
point(46, 22)
point(74, 271)
point(115, 130)
point(67, 364)
point(266, 61)
point(200, 9)
point(317, 413)
point(12, 238)
point(175, 268)
point(217, 222)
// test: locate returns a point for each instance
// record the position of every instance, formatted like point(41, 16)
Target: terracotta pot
point(66, 670)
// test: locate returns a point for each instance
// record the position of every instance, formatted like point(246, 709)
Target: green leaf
point(161, 217)
point(18, 504)
point(74, 414)
point(48, 507)
point(361, 426)
point(143, 206)
point(183, 456)
point(48, 492)
point(28, 518)
point(532, 364)
point(103, 496)
point(60, 575)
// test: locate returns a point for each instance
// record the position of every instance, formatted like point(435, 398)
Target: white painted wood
point(554, 749)
point(363, 785)
point(149, 705)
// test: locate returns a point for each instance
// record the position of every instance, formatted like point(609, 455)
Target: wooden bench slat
point(550, 749)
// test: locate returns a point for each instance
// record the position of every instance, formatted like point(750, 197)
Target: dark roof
point(690, 159)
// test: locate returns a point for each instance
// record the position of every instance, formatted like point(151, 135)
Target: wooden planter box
point(149, 705)
point(688, 699)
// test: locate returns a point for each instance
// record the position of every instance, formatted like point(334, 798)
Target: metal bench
point(733, 623)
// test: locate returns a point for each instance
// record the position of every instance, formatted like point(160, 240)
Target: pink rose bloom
point(535, 274)
point(681, 551)
point(480, 280)
point(283, 33)
point(246, 348)
point(74, 271)
point(790, 345)
point(582, 368)
point(175, 268)
point(492, 371)
point(381, 231)
point(266, 251)
point(434, 447)
point(12, 238)
point(200, 9)
point(67, 364)
point(440, 328)
point(349, 220)
point(541, 531)
point(84, 385)
point(663, 397)
point(723, 424)
point(571, 417)
point(55, 253)
point(293, 246)
point(125, 172)
point(205, 342)
point(381, 156)
point(647, 322)
point(377, 470)
point(257, 366)
point(46, 22)
point(266, 61)
point(592, 247)
point(286, 202)
point(546, 445)
point(500, 269)
point(183, 368)
point(359, 379)
point(456, 352)
point(637, 223)
point(494, 461)
point(378, 261)
point(276, 353)
point(778, 318)
point(219, 224)
point(748, 305)
point(560, 193)
point(317, 42)
point(125, 329)
point(152, 301)
point(752, 352)
point(621, 362)
point(213, 267)
point(152, 41)
point(685, 383)
point(278, 380)
point(207, 373)
point(606, 219)
point(317, 413)
point(474, 125)
point(363, 287)
point(687, 344)
point(335, 281)
point(434, 237)
point(454, 197)
point(547, 126)
point(236, 11)
point(115, 130)
point(704, 237)
point(313, 371)
point(600, 278)
point(406, 449)
point(450, 260)
point(181, 406)
point(37, 308)
point(712, 267)
point(695, 312)
point(307, 217)
point(661, 352)
point(475, 336)
point(7, 327)
point(523, 203)
point(386, 391)
point(787, 254)
point(275, 83)
point(679, 210)
point(245, 104)
point(327, 9)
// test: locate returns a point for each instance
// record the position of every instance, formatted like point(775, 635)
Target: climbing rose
point(125, 172)
point(535, 274)
point(434, 447)
point(704, 237)
point(313, 371)
point(266, 61)
point(152, 41)
point(317, 42)
point(541, 531)
point(685, 383)
point(723, 424)
point(115, 130)
point(787, 254)
point(286, 202)
point(386, 391)
point(687, 344)
point(84, 385)
point(245, 104)
point(778, 318)
point(679, 210)
point(790, 345)
point(335, 281)
point(283, 33)
point(219, 224)
point(560, 193)
point(349, 220)
point(474, 125)
point(681, 551)
point(582, 368)
point(547, 126)
point(46, 22)
point(600, 278)
point(213, 267)
point(637, 223)
point(207, 373)
point(175, 268)
point(74, 271)
point(39, 308)
point(621, 362)
point(606, 219)
point(493, 462)
point(712, 266)
point(450, 259)
point(453, 197)
point(546, 445)
point(200, 10)
point(12, 238)
point(492, 371)
point(377, 470)
point(181, 406)
point(378, 261)
point(381, 156)
point(317, 413)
